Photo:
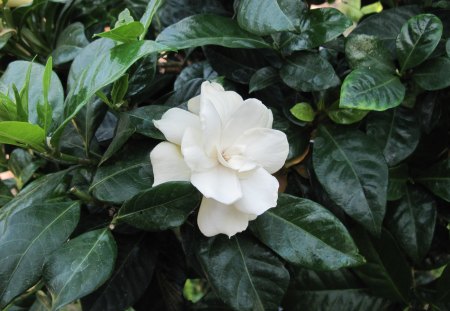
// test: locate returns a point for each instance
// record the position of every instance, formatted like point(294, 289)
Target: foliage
point(362, 220)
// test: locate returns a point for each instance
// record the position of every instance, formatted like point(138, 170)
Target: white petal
point(215, 218)
point(259, 192)
point(168, 164)
point(194, 105)
point(193, 152)
point(219, 183)
point(252, 114)
point(174, 123)
point(269, 148)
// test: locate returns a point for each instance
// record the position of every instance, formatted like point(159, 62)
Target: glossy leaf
point(344, 159)
point(344, 115)
point(205, 29)
point(22, 166)
point(165, 206)
point(264, 17)
point(245, 275)
point(142, 119)
point(417, 40)
point(371, 89)
point(147, 17)
point(70, 42)
point(32, 235)
point(119, 181)
point(133, 272)
point(303, 112)
point(307, 71)
point(263, 78)
point(386, 272)
point(365, 51)
point(124, 130)
point(412, 222)
point(396, 133)
point(23, 134)
point(316, 28)
point(16, 74)
point(80, 266)
point(101, 72)
point(124, 33)
point(432, 75)
point(436, 178)
point(305, 233)
point(398, 178)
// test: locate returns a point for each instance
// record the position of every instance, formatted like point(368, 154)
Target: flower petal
point(252, 114)
point(269, 148)
point(193, 152)
point(174, 123)
point(219, 183)
point(260, 192)
point(194, 104)
point(215, 218)
point(168, 164)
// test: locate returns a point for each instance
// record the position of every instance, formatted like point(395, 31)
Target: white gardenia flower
point(227, 149)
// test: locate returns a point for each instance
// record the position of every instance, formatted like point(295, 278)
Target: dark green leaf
point(201, 70)
point(70, 43)
point(142, 119)
point(147, 17)
point(264, 17)
point(119, 181)
point(303, 112)
point(305, 233)
point(316, 28)
point(307, 71)
point(44, 109)
point(31, 236)
point(165, 206)
point(119, 90)
point(5, 194)
point(263, 78)
point(80, 266)
point(371, 89)
point(412, 222)
point(207, 29)
point(124, 33)
point(244, 274)
point(347, 159)
point(443, 285)
point(345, 116)
point(447, 47)
point(22, 166)
point(433, 75)
point(387, 272)
point(101, 72)
point(16, 74)
point(133, 272)
point(396, 133)
point(23, 134)
point(365, 51)
point(398, 177)
point(417, 40)
point(437, 179)
point(124, 130)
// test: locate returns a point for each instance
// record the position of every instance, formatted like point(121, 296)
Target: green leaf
point(136, 259)
point(23, 134)
point(245, 275)
point(432, 75)
point(386, 272)
point(124, 33)
point(124, 130)
point(365, 51)
point(44, 110)
point(412, 221)
point(119, 90)
point(307, 71)
point(101, 72)
point(5, 194)
point(417, 40)
point(142, 119)
point(347, 159)
point(263, 78)
point(33, 234)
point(204, 29)
point(316, 28)
point(436, 178)
point(70, 43)
point(447, 47)
point(345, 116)
point(305, 233)
point(8, 109)
point(146, 19)
point(124, 18)
point(22, 166)
point(16, 74)
point(398, 178)
point(80, 266)
point(264, 17)
point(396, 133)
point(371, 89)
point(122, 179)
point(163, 207)
point(443, 288)
point(303, 112)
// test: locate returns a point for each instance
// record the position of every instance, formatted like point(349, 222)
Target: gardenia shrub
point(224, 155)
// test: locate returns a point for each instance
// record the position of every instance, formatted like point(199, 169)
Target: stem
point(83, 196)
